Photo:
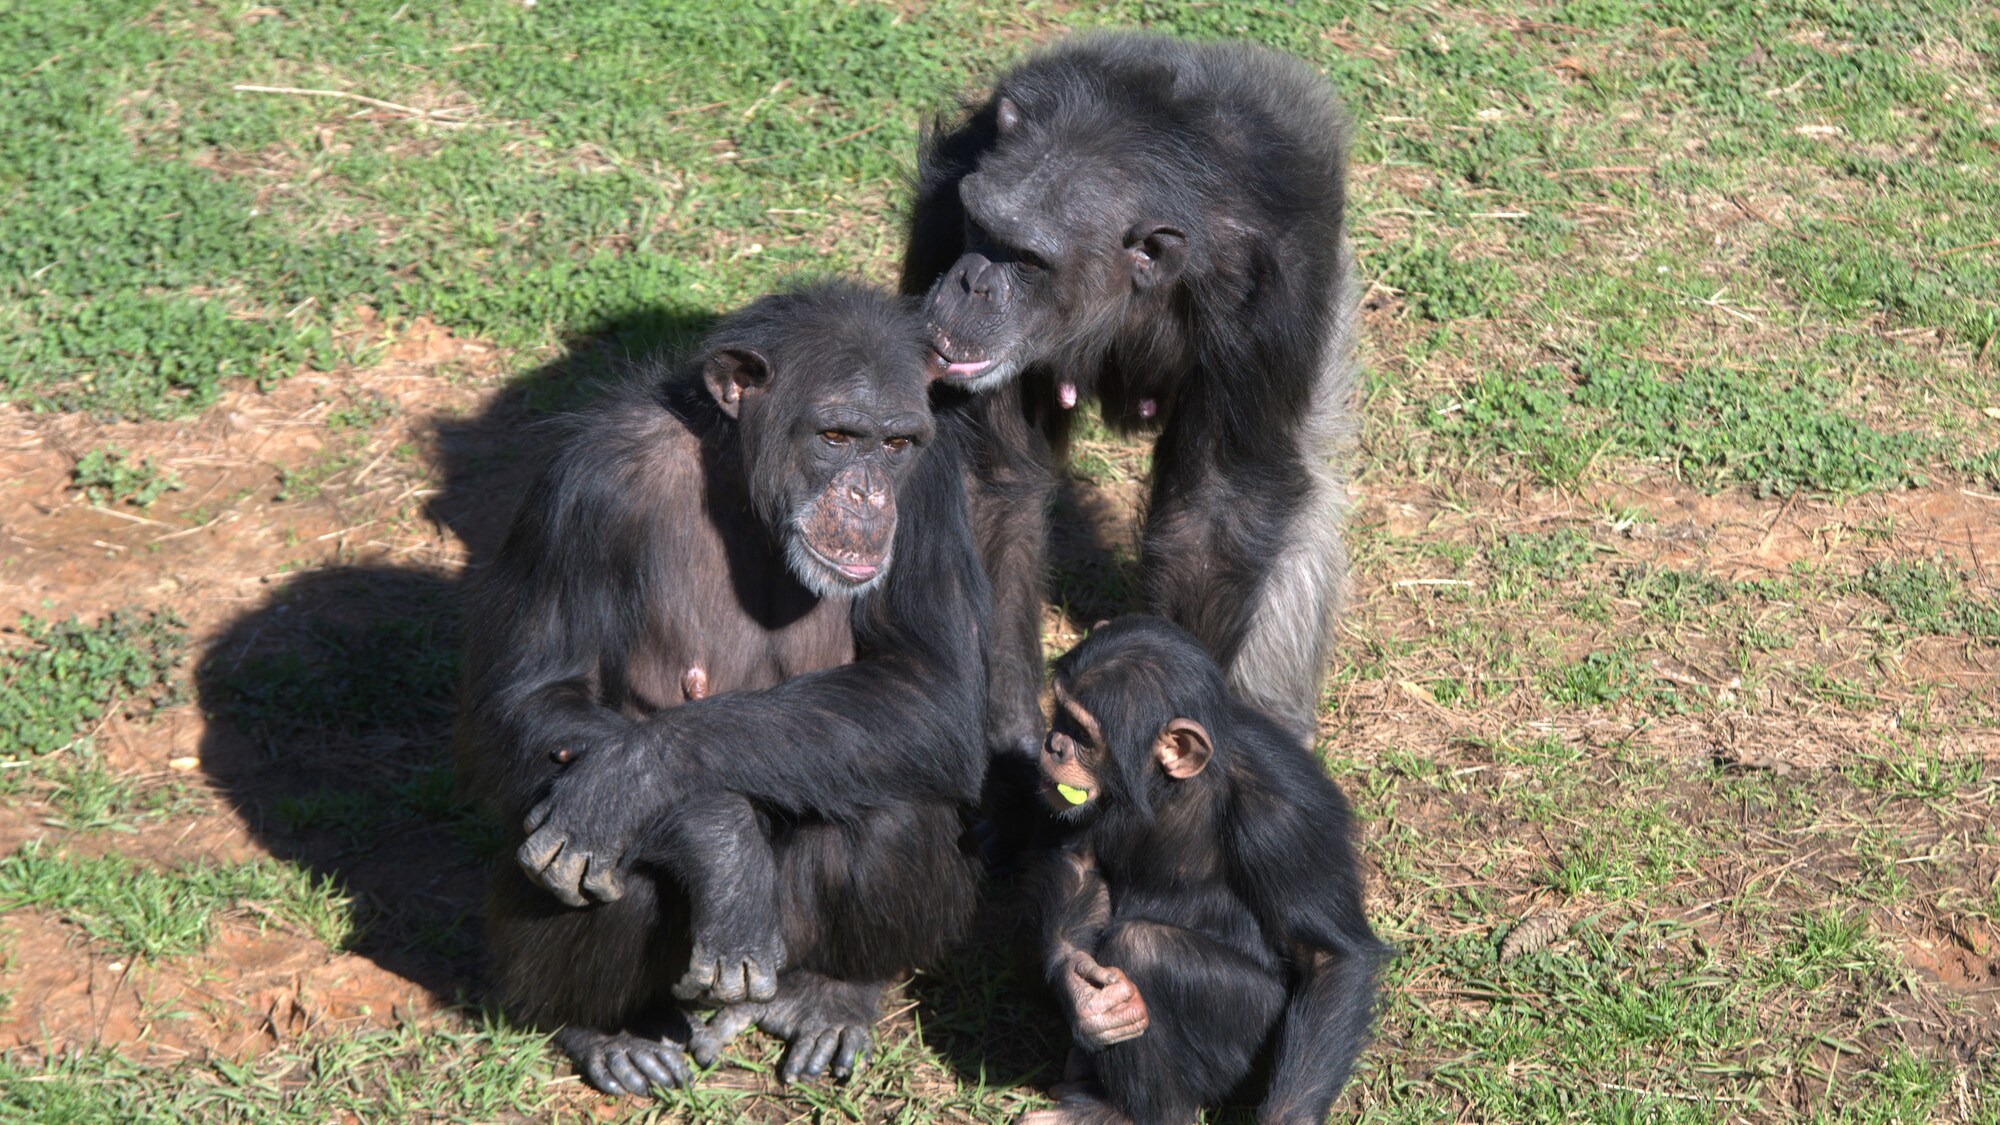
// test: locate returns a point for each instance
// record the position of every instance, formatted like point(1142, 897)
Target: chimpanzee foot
point(725, 972)
point(622, 1063)
point(825, 1023)
point(708, 1039)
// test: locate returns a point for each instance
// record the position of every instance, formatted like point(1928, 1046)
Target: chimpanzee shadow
point(330, 703)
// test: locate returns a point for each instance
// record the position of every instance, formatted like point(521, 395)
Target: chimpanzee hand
point(596, 810)
point(1105, 1006)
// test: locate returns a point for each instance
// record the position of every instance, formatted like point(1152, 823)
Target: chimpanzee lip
point(855, 572)
point(957, 368)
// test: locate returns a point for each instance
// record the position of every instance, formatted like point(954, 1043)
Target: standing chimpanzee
point(1156, 224)
point(1207, 900)
point(726, 677)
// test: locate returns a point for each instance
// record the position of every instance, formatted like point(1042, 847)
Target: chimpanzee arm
point(559, 596)
point(1075, 909)
point(1296, 865)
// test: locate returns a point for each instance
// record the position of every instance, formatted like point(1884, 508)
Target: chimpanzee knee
point(603, 967)
point(875, 896)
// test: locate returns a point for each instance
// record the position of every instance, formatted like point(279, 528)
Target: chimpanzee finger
point(538, 849)
point(561, 876)
point(823, 1046)
point(710, 1038)
point(1099, 975)
point(537, 816)
point(662, 1065)
point(855, 1047)
point(628, 1075)
point(1106, 998)
point(799, 1056)
point(602, 880)
point(600, 1077)
point(732, 983)
point(761, 981)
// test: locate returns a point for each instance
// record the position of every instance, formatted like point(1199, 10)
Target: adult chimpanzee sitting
point(676, 683)
point(1207, 902)
point(1157, 225)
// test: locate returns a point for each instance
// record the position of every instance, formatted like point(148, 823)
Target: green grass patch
point(494, 1073)
point(150, 912)
point(1928, 597)
point(109, 475)
point(1713, 426)
point(62, 676)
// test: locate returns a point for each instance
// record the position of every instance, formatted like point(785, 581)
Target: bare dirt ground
point(291, 529)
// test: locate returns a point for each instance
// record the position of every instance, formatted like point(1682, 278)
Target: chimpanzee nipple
point(1067, 393)
point(1148, 407)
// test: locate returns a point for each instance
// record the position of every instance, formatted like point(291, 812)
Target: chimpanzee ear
point(731, 371)
point(1155, 252)
point(1183, 748)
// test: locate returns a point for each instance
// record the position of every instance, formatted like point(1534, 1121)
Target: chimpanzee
point(725, 678)
point(1206, 901)
point(1156, 224)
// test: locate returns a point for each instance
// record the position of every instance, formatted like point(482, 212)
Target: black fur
point(803, 811)
point(1160, 227)
point(1231, 899)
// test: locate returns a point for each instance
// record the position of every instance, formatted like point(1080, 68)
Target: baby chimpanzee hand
point(1105, 1006)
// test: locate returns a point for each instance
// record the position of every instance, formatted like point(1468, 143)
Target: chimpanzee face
point(1060, 251)
point(832, 412)
point(1079, 770)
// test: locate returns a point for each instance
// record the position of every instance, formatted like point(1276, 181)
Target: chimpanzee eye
point(1031, 262)
point(896, 444)
point(835, 437)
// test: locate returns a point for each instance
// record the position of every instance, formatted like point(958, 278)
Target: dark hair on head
point(1133, 674)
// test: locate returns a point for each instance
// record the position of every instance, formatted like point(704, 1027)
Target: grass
point(1675, 609)
point(108, 475)
point(61, 676)
point(135, 909)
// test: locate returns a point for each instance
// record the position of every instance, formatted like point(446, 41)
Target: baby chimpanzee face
point(1072, 756)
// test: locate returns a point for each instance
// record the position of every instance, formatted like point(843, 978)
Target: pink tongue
point(1148, 408)
point(1067, 393)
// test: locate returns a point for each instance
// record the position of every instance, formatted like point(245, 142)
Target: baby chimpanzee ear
point(731, 371)
point(1183, 748)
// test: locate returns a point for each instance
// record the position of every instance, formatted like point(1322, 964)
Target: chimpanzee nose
point(982, 279)
point(868, 492)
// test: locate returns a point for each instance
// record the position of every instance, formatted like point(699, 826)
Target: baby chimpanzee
point(1207, 902)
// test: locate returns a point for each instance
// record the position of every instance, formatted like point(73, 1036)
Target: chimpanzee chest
point(697, 647)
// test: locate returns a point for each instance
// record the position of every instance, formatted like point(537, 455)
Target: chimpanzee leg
point(597, 977)
point(863, 902)
point(1209, 1010)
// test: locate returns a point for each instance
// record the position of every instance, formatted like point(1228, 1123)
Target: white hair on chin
point(990, 377)
point(818, 575)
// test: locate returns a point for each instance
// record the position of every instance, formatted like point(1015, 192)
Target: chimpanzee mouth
point(952, 369)
point(857, 572)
